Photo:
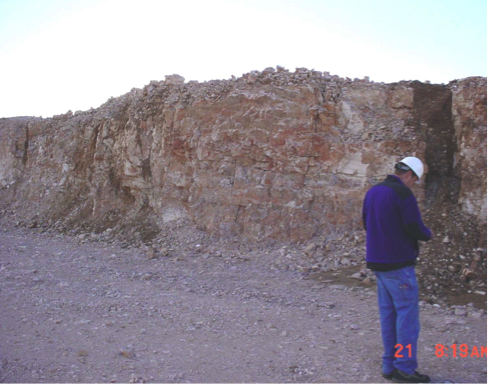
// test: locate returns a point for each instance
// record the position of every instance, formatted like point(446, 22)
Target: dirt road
point(95, 312)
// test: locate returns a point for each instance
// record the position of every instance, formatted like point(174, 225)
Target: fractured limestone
point(272, 154)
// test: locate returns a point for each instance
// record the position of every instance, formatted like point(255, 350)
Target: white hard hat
point(413, 164)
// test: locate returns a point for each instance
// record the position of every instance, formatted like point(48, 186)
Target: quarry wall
point(271, 155)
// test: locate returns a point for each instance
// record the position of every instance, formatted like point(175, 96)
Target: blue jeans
point(399, 315)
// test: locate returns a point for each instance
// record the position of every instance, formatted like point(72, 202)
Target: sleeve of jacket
point(412, 221)
point(364, 214)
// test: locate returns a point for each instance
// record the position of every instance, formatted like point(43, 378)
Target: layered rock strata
point(270, 155)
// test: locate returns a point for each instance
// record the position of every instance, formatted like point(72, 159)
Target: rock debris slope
point(273, 155)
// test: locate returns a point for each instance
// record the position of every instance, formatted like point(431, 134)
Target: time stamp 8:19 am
point(454, 350)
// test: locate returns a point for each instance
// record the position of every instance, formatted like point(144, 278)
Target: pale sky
point(60, 55)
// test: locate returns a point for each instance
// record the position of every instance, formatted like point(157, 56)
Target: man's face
point(410, 179)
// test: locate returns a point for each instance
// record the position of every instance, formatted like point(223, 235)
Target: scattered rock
point(309, 250)
point(136, 379)
point(174, 79)
point(460, 312)
point(468, 274)
point(356, 276)
point(368, 280)
point(337, 286)
point(454, 268)
point(151, 254)
point(128, 354)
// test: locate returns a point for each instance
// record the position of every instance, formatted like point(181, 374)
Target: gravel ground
point(80, 311)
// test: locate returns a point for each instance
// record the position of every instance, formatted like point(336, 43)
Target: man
point(394, 226)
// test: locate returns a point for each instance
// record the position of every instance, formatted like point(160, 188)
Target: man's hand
point(431, 233)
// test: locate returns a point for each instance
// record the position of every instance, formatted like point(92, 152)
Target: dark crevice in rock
point(25, 157)
point(433, 109)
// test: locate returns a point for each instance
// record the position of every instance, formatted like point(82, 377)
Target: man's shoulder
point(398, 188)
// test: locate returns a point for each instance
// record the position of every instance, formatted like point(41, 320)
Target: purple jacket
point(393, 225)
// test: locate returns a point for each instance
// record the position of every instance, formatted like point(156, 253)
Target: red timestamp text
point(400, 347)
point(459, 350)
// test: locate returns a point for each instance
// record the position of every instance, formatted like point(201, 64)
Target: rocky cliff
point(271, 155)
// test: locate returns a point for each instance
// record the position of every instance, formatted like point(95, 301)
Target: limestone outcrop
point(469, 117)
point(271, 155)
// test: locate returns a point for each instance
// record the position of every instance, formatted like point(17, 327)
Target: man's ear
point(414, 176)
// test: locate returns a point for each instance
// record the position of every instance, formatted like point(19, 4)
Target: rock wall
point(271, 155)
point(469, 118)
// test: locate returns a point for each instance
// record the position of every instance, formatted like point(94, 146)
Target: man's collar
point(394, 178)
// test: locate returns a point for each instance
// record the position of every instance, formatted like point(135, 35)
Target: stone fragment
point(136, 379)
point(454, 321)
point(174, 79)
point(271, 327)
point(337, 286)
point(454, 268)
point(146, 276)
point(309, 250)
point(356, 276)
point(345, 261)
point(128, 354)
point(151, 254)
point(460, 312)
point(468, 274)
point(330, 247)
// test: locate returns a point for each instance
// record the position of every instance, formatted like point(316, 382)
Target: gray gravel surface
point(97, 312)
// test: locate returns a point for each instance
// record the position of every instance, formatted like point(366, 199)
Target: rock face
point(469, 117)
point(271, 155)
